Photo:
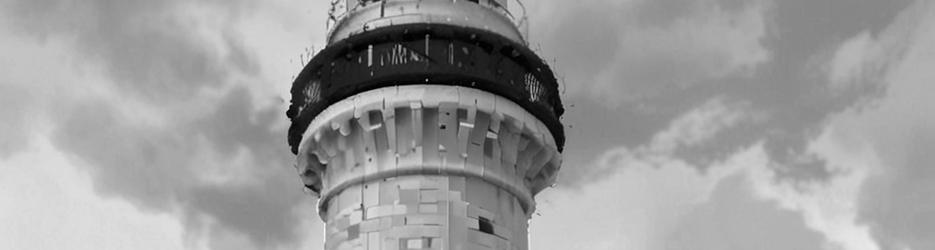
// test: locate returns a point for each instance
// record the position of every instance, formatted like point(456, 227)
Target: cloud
point(772, 57)
point(157, 102)
point(158, 50)
point(848, 205)
point(895, 203)
point(14, 103)
point(872, 149)
point(801, 165)
point(634, 207)
point(692, 130)
point(863, 59)
point(228, 166)
point(734, 218)
point(808, 214)
point(48, 203)
point(699, 125)
point(831, 206)
point(656, 200)
point(708, 42)
point(857, 204)
point(650, 51)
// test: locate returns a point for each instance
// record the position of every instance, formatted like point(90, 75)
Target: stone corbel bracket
point(428, 130)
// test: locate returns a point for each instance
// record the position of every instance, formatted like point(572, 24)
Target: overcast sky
point(691, 124)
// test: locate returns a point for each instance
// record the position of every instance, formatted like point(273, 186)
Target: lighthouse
point(426, 124)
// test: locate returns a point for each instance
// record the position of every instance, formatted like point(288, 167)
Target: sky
point(691, 124)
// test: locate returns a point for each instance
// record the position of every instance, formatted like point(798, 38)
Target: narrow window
point(485, 225)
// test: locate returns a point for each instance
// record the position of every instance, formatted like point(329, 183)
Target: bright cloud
point(634, 208)
point(866, 146)
point(864, 58)
point(48, 203)
point(829, 207)
point(897, 203)
point(700, 125)
point(657, 201)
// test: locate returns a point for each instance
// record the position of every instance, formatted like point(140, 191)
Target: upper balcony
point(351, 17)
point(470, 43)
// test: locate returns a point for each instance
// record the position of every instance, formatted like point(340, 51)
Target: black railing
point(425, 54)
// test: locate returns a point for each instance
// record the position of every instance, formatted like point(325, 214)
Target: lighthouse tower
point(426, 124)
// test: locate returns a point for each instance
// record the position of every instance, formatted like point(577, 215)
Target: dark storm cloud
point(157, 55)
point(585, 37)
point(147, 46)
point(159, 168)
point(604, 48)
point(125, 160)
point(664, 12)
point(640, 90)
point(645, 49)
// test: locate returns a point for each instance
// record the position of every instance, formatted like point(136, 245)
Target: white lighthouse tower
point(426, 124)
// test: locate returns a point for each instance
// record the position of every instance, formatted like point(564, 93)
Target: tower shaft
point(427, 167)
